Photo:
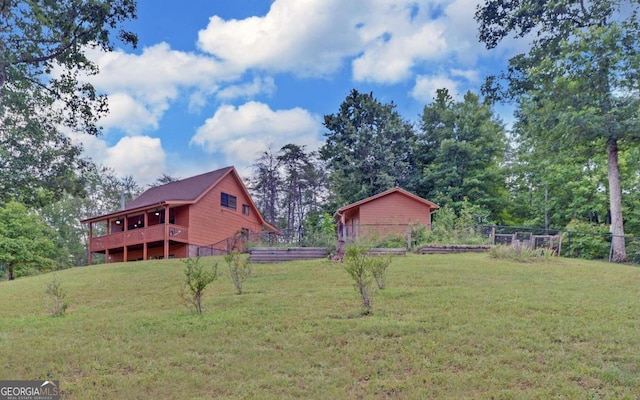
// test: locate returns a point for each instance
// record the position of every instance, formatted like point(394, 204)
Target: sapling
point(197, 278)
point(358, 266)
point(239, 269)
point(57, 303)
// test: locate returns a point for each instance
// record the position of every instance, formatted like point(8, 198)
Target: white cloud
point(383, 39)
point(426, 87)
point(142, 87)
point(131, 116)
point(249, 89)
point(240, 133)
point(141, 157)
point(307, 38)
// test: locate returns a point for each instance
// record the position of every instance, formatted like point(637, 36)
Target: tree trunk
point(618, 249)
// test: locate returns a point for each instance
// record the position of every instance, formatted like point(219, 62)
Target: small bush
point(197, 278)
point(358, 265)
point(56, 304)
point(367, 271)
point(239, 269)
point(379, 265)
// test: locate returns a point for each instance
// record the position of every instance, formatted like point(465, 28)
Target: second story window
point(245, 209)
point(227, 200)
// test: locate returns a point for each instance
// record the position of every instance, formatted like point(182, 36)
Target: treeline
point(459, 152)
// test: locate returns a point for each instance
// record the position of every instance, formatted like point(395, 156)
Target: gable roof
point(351, 206)
point(186, 190)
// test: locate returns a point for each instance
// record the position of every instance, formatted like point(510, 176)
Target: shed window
point(227, 200)
point(245, 209)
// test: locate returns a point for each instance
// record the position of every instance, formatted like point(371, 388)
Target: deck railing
point(132, 237)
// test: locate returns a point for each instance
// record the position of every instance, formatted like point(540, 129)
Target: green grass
point(461, 326)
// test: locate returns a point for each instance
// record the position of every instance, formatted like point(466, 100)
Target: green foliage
point(239, 269)
point(26, 241)
point(419, 235)
point(578, 81)
point(379, 265)
point(358, 265)
point(368, 148)
point(521, 254)
point(367, 272)
point(57, 304)
point(196, 279)
point(586, 240)
point(460, 150)
point(449, 228)
point(320, 231)
point(38, 162)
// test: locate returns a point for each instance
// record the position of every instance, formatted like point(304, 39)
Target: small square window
point(245, 209)
point(227, 200)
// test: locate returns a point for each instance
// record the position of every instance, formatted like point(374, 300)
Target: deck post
point(166, 232)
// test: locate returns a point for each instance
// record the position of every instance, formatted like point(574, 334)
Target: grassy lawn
point(460, 326)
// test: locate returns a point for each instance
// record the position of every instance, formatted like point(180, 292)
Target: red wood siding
point(395, 208)
point(390, 214)
point(210, 222)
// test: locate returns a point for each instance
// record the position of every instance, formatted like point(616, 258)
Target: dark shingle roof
point(188, 189)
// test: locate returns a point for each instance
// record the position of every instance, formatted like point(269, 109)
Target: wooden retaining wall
point(453, 248)
point(387, 251)
point(279, 254)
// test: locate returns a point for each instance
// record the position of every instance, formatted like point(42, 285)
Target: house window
point(245, 209)
point(227, 200)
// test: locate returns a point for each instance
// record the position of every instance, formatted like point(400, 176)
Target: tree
point(368, 148)
point(25, 241)
point(554, 184)
point(265, 184)
point(582, 68)
point(164, 179)
point(196, 279)
point(460, 150)
point(102, 191)
point(43, 61)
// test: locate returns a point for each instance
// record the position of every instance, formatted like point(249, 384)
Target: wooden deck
point(133, 237)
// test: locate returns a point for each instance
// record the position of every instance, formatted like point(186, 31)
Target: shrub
point(56, 304)
point(379, 265)
point(358, 266)
point(587, 240)
point(197, 278)
point(521, 253)
point(367, 271)
point(239, 269)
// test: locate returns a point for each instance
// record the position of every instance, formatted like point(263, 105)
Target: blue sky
point(214, 83)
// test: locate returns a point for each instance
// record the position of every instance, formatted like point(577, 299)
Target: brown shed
point(391, 212)
point(177, 219)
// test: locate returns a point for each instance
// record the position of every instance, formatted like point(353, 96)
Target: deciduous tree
point(460, 150)
point(582, 68)
point(25, 241)
point(43, 64)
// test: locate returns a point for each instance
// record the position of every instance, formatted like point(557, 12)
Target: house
point(391, 212)
point(178, 219)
